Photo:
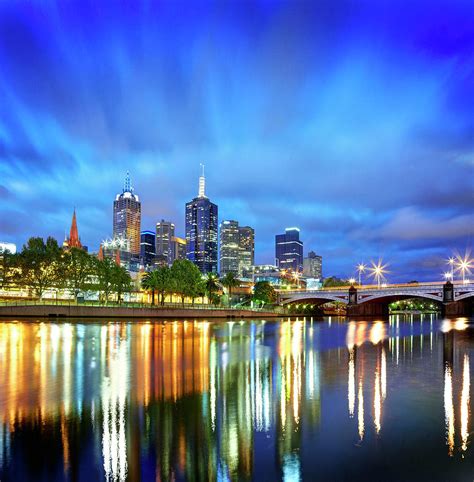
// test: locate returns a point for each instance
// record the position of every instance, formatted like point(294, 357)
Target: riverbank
point(85, 311)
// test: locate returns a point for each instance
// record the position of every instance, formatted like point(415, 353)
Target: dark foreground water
point(292, 400)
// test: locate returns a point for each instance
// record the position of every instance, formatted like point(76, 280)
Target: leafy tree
point(333, 282)
point(185, 278)
point(77, 267)
point(8, 262)
point(159, 281)
point(37, 263)
point(211, 285)
point(230, 281)
point(104, 276)
point(121, 281)
point(264, 292)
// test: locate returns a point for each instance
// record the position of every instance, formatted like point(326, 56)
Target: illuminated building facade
point(164, 236)
point(236, 248)
point(289, 250)
point(229, 247)
point(178, 248)
point(201, 231)
point(127, 217)
point(313, 266)
point(246, 248)
point(147, 249)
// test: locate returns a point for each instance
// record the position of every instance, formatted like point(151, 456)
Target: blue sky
point(352, 120)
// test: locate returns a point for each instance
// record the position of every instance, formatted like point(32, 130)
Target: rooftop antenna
point(202, 183)
point(127, 186)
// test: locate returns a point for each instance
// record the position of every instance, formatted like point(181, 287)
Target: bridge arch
point(464, 296)
point(314, 298)
point(399, 295)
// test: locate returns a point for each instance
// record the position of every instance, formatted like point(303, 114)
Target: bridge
point(454, 299)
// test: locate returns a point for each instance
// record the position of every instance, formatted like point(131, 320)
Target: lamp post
point(361, 269)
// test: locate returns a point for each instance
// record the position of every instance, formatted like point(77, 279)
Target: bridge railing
point(392, 287)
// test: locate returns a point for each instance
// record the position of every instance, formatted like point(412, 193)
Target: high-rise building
point(178, 248)
point(127, 217)
point(201, 230)
point(246, 248)
point(147, 249)
point(164, 236)
point(237, 250)
point(313, 266)
point(229, 247)
point(73, 241)
point(289, 250)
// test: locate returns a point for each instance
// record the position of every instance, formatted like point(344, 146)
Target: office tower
point(313, 266)
point(147, 249)
point(229, 247)
point(127, 217)
point(201, 230)
point(246, 249)
point(289, 250)
point(73, 240)
point(178, 248)
point(164, 235)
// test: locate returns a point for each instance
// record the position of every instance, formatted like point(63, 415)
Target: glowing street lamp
point(448, 276)
point(361, 269)
point(377, 271)
point(352, 281)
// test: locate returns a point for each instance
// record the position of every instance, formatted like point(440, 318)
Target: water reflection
point(228, 400)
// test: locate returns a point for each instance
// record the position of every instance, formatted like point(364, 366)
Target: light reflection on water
point(197, 400)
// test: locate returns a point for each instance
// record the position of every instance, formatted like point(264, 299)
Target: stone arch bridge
point(454, 299)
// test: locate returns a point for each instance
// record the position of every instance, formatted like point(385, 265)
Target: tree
point(333, 282)
point(121, 281)
point(230, 281)
point(37, 265)
point(77, 267)
point(185, 278)
point(158, 280)
point(264, 292)
point(211, 285)
point(104, 275)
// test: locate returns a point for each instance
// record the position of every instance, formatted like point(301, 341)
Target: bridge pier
point(458, 308)
point(368, 310)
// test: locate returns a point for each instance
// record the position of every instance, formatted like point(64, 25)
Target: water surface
point(253, 400)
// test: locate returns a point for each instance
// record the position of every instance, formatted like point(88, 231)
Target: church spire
point(202, 183)
point(74, 241)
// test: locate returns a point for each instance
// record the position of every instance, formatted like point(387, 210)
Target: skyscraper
point(313, 266)
point(201, 230)
point(246, 248)
point(236, 247)
point(178, 248)
point(147, 249)
point(127, 217)
point(289, 250)
point(164, 235)
point(229, 247)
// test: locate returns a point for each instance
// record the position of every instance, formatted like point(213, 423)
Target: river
point(300, 399)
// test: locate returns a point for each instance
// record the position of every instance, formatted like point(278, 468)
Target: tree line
point(44, 265)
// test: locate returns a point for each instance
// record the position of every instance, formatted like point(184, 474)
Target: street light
point(464, 265)
point(378, 270)
point(352, 281)
point(361, 269)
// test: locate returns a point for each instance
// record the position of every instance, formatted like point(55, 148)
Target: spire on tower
point(202, 183)
point(74, 241)
point(127, 187)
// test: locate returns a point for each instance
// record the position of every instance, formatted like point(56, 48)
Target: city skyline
point(351, 123)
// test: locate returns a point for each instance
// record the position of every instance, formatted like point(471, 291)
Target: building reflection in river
point(191, 400)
